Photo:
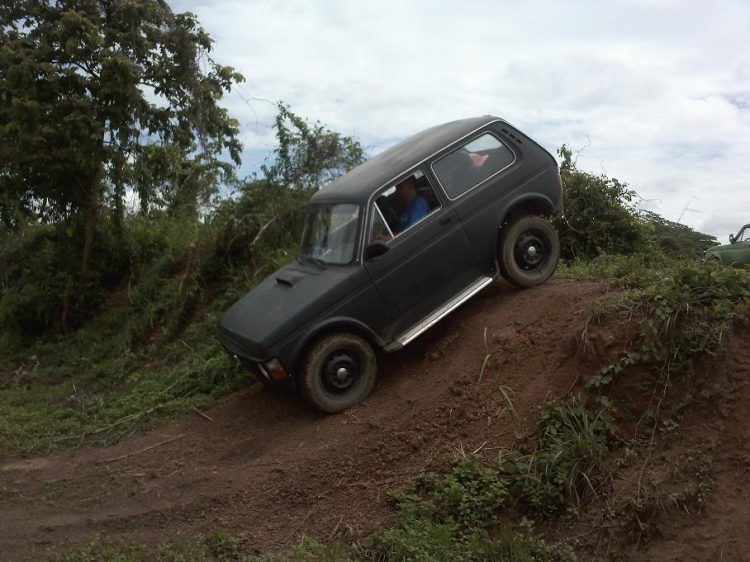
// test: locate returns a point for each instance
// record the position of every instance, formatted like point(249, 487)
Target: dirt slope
point(271, 470)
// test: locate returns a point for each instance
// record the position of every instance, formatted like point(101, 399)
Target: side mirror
point(731, 238)
point(375, 249)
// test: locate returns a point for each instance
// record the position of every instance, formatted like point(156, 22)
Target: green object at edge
point(736, 253)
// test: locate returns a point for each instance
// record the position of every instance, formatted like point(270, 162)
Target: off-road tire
point(318, 382)
point(516, 266)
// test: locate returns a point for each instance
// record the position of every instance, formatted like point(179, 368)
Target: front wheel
point(529, 251)
point(339, 371)
point(712, 259)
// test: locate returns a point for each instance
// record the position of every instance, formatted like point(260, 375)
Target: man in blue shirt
point(410, 207)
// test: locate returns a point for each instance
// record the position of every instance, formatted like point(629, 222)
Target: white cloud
point(662, 88)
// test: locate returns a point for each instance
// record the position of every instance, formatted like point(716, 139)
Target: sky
point(655, 93)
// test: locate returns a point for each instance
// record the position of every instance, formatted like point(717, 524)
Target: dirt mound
point(269, 469)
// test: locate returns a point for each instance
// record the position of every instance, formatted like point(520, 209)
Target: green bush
point(599, 214)
point(426, 541)
point(686, 312)
point(38, 285)
point(601, 218)
point(568, 466)
point(631, 271)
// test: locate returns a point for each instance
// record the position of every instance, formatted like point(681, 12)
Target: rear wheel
point(339, 371)
point(529, 251)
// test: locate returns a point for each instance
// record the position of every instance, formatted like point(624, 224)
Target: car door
point(739, 253)
point(424, 266)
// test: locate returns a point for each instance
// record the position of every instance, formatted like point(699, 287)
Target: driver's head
point(406, 190)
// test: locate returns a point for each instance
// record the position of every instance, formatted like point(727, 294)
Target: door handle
point(445, 220)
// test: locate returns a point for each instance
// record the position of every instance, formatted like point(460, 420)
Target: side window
point(401, 206)
point(471, 164)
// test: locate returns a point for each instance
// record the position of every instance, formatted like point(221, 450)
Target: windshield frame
point(307, 257)
point(739, 235)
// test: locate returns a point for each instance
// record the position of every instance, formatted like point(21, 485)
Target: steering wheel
point(390, 216)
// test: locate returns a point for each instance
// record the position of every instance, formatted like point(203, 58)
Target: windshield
point(330, 233)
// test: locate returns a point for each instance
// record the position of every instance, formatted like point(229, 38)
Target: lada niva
point(391, 248)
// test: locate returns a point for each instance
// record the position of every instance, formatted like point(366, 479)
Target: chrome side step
point(437, 315)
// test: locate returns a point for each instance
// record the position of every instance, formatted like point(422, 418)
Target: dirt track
point(269, 470)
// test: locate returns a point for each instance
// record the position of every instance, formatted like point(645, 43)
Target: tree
point(270, 209)
point(678, 240)
point(99, 98)
point(309, 155)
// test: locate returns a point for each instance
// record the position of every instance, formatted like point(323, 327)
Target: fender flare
point(333, 324)
point(527, 204)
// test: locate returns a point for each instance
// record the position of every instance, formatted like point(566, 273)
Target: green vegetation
point(601, 217)
point(675, 239)
point(684, 310)
point(428, 544)
point(216, 547)
point(98, 100)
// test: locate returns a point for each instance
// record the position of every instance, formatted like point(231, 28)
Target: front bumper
point(251, 364)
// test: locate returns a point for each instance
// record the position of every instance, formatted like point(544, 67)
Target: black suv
point(391, 248)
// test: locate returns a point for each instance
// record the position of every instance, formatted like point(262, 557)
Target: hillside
point(264, 468)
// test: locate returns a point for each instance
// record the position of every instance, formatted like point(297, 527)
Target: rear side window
point(470, 165)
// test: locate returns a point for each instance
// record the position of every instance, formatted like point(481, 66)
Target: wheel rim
point(341, 371)
point(531, 250)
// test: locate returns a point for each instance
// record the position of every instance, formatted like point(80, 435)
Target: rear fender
point(535, 204)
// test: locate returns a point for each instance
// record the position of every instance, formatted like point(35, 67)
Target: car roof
point(358, 184)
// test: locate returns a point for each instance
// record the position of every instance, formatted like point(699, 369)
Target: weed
point(568, 465)
point(686, 314)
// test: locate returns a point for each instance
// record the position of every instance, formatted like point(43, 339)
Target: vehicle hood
point(721, 248)
point(283, 303)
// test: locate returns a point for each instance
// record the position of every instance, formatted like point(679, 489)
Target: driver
point(409, 206)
